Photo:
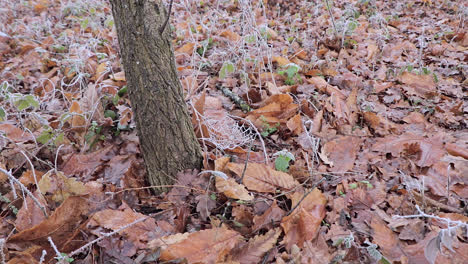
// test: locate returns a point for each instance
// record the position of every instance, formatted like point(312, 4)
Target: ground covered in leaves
point(333, 132)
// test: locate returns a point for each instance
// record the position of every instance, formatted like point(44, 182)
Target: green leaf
point(2, 114)
point(282, 160)
point(22, 104)
point(282, 163)
point(352, 185)
point(115, 99)
point(122, 91)
point(45, 136)
point(111, 114)
point(32, 101)
point(59, 139)
point(228, 67)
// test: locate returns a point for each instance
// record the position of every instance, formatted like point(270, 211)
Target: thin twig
point(161, 30)
point(332, 18)
point(246, 162)
point(23, 188)
point(157, 186)
point(57, 252)
point(2, 255)
point(436, 203)
point(106, 235)
point(33, 171)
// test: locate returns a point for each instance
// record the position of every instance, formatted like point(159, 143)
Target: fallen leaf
point(206, 246)
point(303, 223)
point(232, 189)
point(232, 36)
point(140, 233)
point(272, 215)
point(342, 152)
point(430, 150)
point(422, 85)
point(60, 186)
point(386, 240)
point(15, 134)
point(260, 178)
point(281, 60)
point(255, 249)
point(186, 49)
point(295, 124)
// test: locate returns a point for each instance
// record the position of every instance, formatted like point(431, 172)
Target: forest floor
point(332, 131)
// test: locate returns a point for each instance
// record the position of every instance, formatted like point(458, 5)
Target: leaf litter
point(367, 97)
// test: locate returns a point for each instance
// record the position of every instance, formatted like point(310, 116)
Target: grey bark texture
point(167, 140)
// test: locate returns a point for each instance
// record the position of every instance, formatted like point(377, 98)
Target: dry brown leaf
point(15, 134)
point(379, 124)
point(232, 36)
point(60, 186)
point(59, 226)
point(303, 223)
point(456, 150)
point(220, 164)
point(140, 233)
point(186, 49)
point(429, 150)
point(295, 124)
point(253, 251)
point(268, 219)
point(83, 164)
point(77, 120)
point(281, 60)
point(206, 246)
point(386, 239)
point(261, 178)
point(232, 189)
point(422, 85)
point(341, 152)
point(30, 214)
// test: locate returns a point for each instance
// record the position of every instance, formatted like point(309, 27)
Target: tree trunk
point(167, 140)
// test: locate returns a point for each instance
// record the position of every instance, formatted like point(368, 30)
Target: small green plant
point(23, 102)
point(6, 200)
point(94, 134)
point(267, 129)
point(291, 71)
point(282, 160)
point(51, 136)
point(2, 114)
point(65, 257)
point(206, 45)
point(227, 68)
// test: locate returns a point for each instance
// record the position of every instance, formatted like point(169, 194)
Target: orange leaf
point(119, 76)
point(281, 60)
point(260, 178)
point(303, 223)
point(341, 152)
point(77, 120)
point(253, 251)
point(187, 49)
point(206, 246)
point(232, 189)
point(422, 85)
point(232, 36)
point(295, 124)
point(140, 233)
point(15, 134)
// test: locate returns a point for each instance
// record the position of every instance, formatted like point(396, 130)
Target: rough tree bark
point(167, 140)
